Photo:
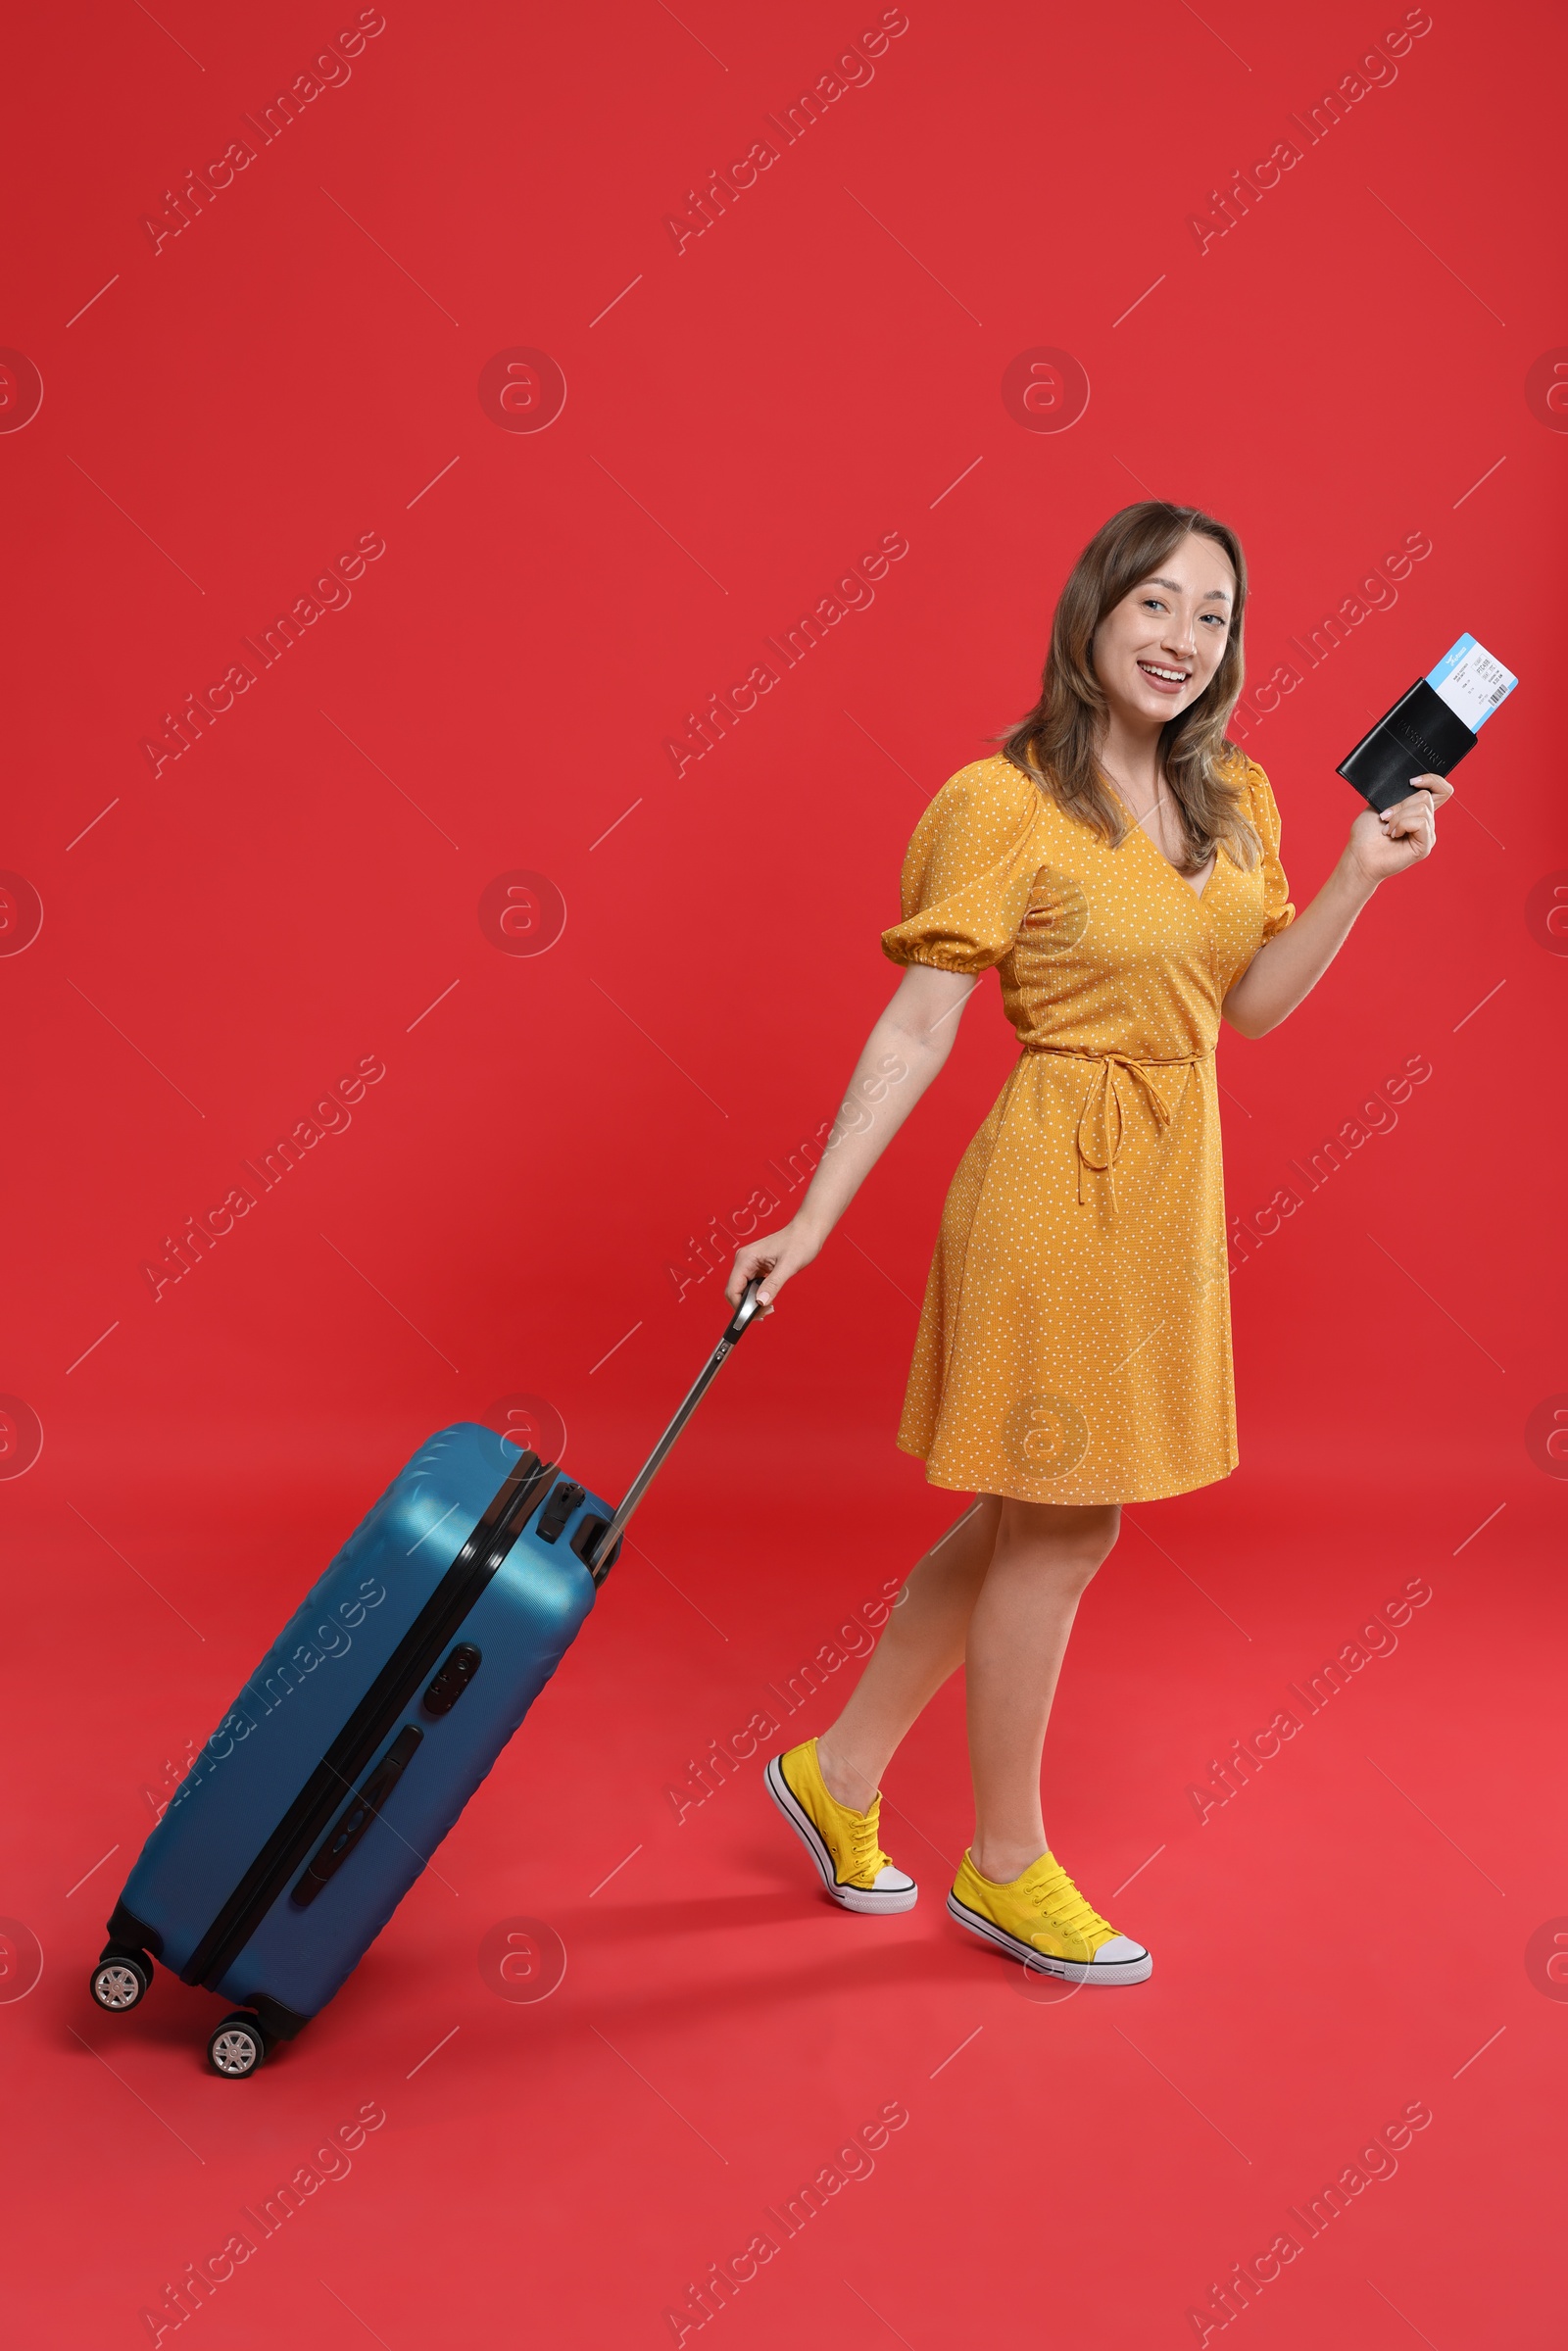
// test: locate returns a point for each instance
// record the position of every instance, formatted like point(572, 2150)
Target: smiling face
point(1154, 653)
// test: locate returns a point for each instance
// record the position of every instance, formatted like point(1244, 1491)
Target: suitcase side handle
point(595, 1553)
point(341, 1840)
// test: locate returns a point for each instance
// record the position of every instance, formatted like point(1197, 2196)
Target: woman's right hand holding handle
point(775, 1257)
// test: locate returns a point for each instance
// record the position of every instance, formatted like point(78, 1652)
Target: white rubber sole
point(848, 1898)
point(1070, 1971)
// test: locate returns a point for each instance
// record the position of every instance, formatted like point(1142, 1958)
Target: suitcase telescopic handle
point(746, 1312)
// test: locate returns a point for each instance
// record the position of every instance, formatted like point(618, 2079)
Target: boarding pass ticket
point(1471, 682)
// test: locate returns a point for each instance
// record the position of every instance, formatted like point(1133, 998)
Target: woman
point(1118, 865)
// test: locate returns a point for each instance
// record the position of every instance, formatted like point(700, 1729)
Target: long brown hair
point(1058, 742)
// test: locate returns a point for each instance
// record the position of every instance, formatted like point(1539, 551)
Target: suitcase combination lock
point(453, 1679)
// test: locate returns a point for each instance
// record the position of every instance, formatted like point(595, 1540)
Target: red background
point(743, 419)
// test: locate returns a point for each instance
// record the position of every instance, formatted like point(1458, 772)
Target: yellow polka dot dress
point(1074, 1342)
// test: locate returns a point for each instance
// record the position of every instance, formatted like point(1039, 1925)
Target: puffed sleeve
point(1277, 907)
point(964, 888)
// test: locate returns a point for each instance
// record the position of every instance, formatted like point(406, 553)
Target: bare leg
point(923, 1643)
point(1044, 1557)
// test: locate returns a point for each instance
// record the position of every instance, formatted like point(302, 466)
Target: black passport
point(1420, 736)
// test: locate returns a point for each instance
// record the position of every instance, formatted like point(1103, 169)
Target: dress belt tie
point(1099, 1134)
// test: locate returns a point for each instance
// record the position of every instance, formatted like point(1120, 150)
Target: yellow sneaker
point(1042, 1919)
point(855, 1870)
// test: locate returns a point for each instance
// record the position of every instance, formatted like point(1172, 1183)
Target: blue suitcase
point(353, 1747)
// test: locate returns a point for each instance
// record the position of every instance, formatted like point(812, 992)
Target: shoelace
point(1065, 1908)
point(868, 1854)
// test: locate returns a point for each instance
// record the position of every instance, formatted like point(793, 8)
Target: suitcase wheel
point(121, 1977)
point(237, 2047)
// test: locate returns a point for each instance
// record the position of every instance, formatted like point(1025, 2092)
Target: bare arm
point(903, 1054)
point(1294, 959)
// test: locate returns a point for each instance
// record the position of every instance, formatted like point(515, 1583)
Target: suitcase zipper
point(337, 1774)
